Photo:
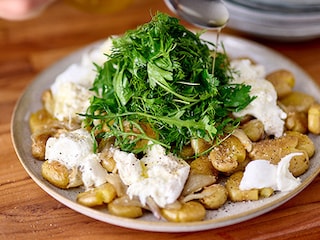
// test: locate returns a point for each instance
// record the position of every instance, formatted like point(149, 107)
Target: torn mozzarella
point(70, 90)
point(75, 150)
point(262, 174)
point(156, 175)
point(264, 107)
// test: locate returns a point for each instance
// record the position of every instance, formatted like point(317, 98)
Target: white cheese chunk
point(262, 174)
point(93, 174)
point(129, 167)
point(264, 107)
point(156, 175)
point(75, 150)
point(259, 174)
point(70, 91)
point(285, 180)
point(98, 55)
point(70, 100)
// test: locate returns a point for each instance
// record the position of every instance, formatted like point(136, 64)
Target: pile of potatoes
point(215, 177)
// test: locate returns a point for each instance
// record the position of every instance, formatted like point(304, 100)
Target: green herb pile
point(160, 75)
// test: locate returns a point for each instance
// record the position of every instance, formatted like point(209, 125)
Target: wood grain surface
point(27, 212)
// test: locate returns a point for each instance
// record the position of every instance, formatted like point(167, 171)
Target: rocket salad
point(160, 75)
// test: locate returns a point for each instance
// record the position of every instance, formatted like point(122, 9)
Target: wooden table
point(27, 212)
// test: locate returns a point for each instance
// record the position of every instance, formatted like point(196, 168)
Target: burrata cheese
point(156, 175)
point(75, 150)
point(70, 90)
point(260, 174)
point(264, 107)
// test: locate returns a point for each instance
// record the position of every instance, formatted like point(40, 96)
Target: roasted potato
point(97, 196)
point(189, 212)
point(125, 207)
point(107, 160)
point(199, 145)
point(226, 156)
point(39, 140)
point(314, 118)
point(202, 165)
point(297, 121)
point(40, 120)
point(254, 129)
point(299, 164)
point(237, 195)
point(297, 102)
point(304, 142)
point(265, 192)
point(186, 152)
point(275, 149)
point(214, 196)
point(55, 173)
point(283, 81)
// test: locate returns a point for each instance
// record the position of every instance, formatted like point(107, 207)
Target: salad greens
point(159, 77)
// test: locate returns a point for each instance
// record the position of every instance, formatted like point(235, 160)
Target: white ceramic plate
point(231, 213)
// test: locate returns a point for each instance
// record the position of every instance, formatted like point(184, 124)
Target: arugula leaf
point(160, 75)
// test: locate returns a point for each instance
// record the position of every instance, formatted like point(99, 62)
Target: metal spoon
point(209, 14)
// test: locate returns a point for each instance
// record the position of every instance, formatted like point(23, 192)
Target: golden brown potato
point(40, 120)
point(139, 128)
point(237, 195)
point(90, 198)
point(304, 142)
point(124, 210)
point(108, 163)
point(297, 121)
point(126, 207)
point(254, 129)
point(196, 147)
point(97, 196)
point(214, 196)
point(314, 118)
point(265, 192)
point(202, 165)
point(297, 102)
point(75, 178)
point(55, 173)
point(299, 164)
point(107, 160)
point(189, 212)
point(39, 140)
point(283, 81)
point(186, 152)
point(200, 146)
point(275, 149)
point(226, 156)
point(243, 138)
point(242, 165)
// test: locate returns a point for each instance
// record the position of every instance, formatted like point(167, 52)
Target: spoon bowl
point(209, 14)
